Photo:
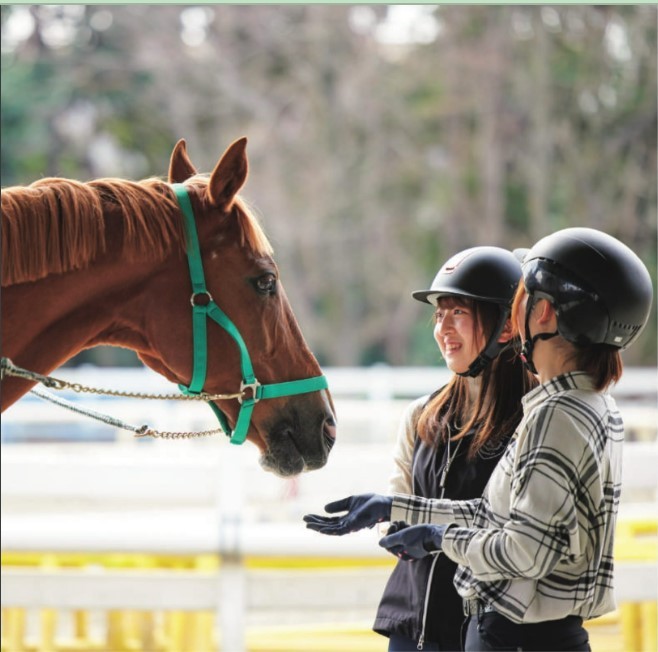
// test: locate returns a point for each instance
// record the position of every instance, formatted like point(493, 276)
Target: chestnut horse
point(103, 263)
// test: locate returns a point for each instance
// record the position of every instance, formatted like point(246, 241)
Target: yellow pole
point(14, 622)
point(48, 630)
point(116, 640)
point(630, 626)
point(649, 611)
point(48, 616)
point(173, 631)
point(81, 628)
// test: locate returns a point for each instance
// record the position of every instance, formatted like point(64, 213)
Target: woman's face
point(456, 333)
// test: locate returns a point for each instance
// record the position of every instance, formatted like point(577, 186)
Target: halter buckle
point(254, 391)
point(198, 294)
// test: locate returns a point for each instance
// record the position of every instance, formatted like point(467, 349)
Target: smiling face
point(458, 332)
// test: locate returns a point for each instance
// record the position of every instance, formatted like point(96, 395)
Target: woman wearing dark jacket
point(420, 608)
point(449, 442)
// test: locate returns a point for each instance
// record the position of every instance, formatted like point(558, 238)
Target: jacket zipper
point(442, 487)
point(421, 640)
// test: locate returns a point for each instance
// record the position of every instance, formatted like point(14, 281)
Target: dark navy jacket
point(403, 604)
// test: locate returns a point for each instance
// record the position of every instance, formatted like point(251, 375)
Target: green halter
point(210, 310)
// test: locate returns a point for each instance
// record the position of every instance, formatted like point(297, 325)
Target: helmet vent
point(626, 327)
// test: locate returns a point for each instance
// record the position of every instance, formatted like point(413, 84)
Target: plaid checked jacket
point(538, 544)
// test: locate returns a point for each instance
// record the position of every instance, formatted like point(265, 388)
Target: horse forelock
point(59, 225)
point(251, 232)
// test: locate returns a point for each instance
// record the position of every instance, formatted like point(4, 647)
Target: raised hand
point(364, 510)
point(415, 541)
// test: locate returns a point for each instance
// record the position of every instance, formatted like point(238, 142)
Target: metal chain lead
point(164, 434)
point(8, 368)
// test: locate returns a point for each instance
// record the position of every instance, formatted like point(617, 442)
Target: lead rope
point(139, 431)
point(8, 368)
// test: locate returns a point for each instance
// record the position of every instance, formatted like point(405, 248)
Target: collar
point(561, 383)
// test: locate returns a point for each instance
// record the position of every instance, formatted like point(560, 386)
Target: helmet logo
point(455, 262)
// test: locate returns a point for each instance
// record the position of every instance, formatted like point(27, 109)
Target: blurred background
point(382, 139)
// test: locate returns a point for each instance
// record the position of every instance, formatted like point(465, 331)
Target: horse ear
point(180, 166)
point(229, 175)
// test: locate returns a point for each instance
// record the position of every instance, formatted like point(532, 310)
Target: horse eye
point(265, 284)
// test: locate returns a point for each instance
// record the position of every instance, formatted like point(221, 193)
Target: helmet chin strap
point(491, 350)
point(530, 341)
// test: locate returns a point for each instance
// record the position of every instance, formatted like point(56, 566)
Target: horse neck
point(47, 322)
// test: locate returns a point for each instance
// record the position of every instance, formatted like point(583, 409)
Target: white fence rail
point(135, 499)
point(379, 381)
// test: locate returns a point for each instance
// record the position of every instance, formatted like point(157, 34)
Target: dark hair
point(600, 361)
point(498, 408)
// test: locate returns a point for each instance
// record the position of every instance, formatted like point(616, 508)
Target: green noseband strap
point(202, 310)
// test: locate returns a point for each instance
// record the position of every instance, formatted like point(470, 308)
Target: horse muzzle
point(300, 440)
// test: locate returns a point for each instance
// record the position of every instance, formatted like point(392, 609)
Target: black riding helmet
point(600, 289)
point(488, 274)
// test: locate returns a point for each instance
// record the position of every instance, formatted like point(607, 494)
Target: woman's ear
point(507, 333)
point(544, 312)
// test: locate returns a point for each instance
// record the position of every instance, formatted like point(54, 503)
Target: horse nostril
point(329, 432)
point(329, 426)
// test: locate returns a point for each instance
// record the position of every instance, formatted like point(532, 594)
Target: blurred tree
point(382, 139)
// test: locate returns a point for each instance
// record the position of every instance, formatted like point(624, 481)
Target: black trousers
point(491, 631)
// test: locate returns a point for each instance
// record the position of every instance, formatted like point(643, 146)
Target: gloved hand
point(396, 526)
point(363, 511)
point(414, 541)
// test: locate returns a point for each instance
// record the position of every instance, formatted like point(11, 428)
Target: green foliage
point(517, 211)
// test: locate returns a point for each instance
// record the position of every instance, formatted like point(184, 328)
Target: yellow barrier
point(637, 540)
point(631, 629)
point(184, 632)
point(119, 630)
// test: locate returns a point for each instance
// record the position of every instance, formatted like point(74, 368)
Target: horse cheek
point(167, 328)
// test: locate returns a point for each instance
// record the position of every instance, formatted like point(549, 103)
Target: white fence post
point(379, 389)
point(232, 574)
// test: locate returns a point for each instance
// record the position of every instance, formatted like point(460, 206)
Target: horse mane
point(57, 225)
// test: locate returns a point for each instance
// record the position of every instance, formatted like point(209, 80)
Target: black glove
point(396, 526)
point(362, 511)
point(415, 541)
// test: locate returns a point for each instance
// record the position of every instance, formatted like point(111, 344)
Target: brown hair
point(498, 407)
point(600, 361)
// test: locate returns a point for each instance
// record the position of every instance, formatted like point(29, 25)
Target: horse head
point(294, 433)
point(103, 263)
